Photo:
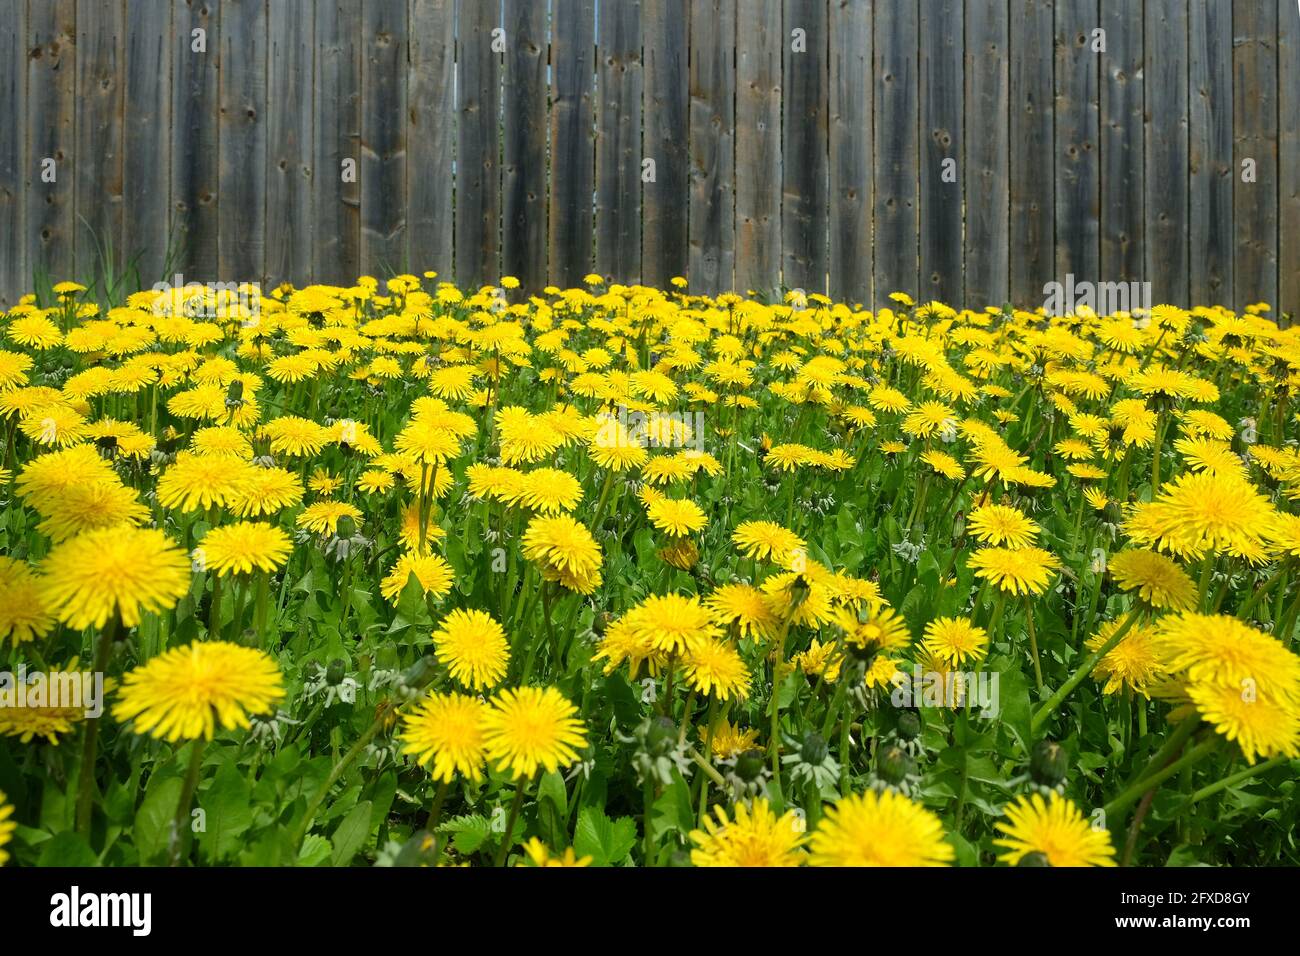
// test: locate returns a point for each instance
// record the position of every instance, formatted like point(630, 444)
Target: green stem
point(300, 831)
point(507, 837)
point(1135, 792)
point(1083, 670)
point(86, 780)
point(1236, 778)
point(180, 829)
point(1033, 644)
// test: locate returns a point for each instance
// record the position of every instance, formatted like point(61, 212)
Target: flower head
point(1054, 830)
point(757, 837)
point(532, 727)
point(186, 692)
point(879, 829)
point(446, 730)
point(123, 570)
point(474, 648)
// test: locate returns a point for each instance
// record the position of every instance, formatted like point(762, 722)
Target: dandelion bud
point(894, 764)
point(909, 725)
point(749, 765)
point(1049, 763)
point(814, 749)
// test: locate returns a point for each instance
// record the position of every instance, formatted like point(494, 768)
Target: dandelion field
point(405, 574)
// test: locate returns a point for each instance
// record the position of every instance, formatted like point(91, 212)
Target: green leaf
point(673, 810)
point(606, 841)
point(315, 850)
point(552, 809)
point(468, 832)
point(1015, 708)
point(228, 812)
point(351, 834)
point(153, 821)
point(67, 849)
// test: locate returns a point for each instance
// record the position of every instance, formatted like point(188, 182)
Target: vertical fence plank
point(51, 115)
point(383, 137)
point(985, 172)
point(1288, 213)
point(14, 278)
point(897, 153)
point(941, 213)
point(1210, 152)
point(805, 209)
point(478, 169)
point(523, 253)
point(712, 79)
point(1124, 72)
point(431, 137)
point(194, 136)
point(1032, 236)
point(663, 223)
point(241, 208)
point(290, 130)
point(101, 40)
point(850, 150)
point(146, 159)
point(618, 141)
point(1078, 181)
point(758, 141)
point(336, 139)
point(1167, 150)
point(573, 175)
point(1254, 95)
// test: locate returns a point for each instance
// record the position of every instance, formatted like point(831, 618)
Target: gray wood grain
point(523, 237)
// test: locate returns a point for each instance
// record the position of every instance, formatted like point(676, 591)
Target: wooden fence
point(968, 150)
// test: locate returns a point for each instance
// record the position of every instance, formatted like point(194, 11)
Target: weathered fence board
point(712, 116)
point(897, 152)
point(1032, 245)
point(966, 150)
point(100, 62)
point(1167, 157)
point(146, 160)
point(382, 170)
point(1209, 148)
point(1255, 98)
point(1078, 179)
point(618, 141)
point(13, 159)
point(241, 204)
point(573, 158)
point(1123, 156)
point(523, 238)
point(805, 140)
point(986, 173)
point(431, 137)
point(478, 167)
point(1288, 213)
point(666, 133)
point(852, 131)
point(336, 143)
point(942, 37)
point(290, 130)
point(193, 139)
